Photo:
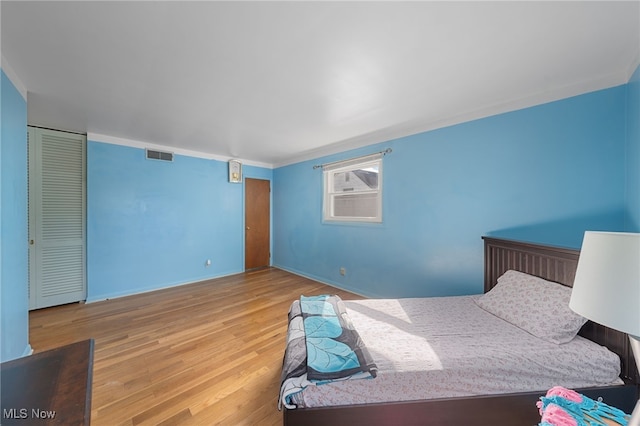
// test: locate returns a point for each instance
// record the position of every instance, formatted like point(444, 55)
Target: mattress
point(447, 347)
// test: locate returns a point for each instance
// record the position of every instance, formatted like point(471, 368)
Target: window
point(353, 190)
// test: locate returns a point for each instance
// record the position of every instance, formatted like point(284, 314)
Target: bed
point(363, 402)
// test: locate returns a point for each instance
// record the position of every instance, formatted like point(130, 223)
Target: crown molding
point(13, 77)
point(96, 137)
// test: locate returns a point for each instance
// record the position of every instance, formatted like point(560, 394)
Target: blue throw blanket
point(322, 346)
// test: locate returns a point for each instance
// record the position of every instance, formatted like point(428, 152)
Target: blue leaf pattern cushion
point(313, 306)
point(320, 327)
point(334, 348)
point(328, 355)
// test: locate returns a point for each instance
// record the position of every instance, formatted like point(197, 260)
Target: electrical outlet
point(343, 271)
point(207, 263)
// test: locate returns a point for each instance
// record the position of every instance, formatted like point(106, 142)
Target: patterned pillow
point(535, 305)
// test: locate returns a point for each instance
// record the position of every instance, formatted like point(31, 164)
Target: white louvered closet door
point(57, 194)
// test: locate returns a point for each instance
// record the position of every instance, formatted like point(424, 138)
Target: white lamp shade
point(606, 289)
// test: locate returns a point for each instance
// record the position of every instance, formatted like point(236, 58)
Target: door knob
point(248, 228)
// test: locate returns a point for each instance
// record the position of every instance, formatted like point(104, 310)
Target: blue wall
point(14, 290)
point(633, 153)
point(153, 224)
point(542, 174)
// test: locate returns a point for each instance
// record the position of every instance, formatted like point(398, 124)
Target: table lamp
point(606, 289)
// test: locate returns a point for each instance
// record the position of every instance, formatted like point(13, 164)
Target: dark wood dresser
point(48, 388)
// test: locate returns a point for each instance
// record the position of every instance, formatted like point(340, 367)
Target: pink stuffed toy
point(556, 416)
point(565, 407)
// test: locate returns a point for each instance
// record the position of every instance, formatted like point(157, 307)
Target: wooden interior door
point(257, 220)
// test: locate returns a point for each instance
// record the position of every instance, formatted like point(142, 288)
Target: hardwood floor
point(208, 353)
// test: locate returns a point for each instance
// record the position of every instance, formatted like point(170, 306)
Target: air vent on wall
point(159, 155)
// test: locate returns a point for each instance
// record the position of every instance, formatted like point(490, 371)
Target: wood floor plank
point(203, 353)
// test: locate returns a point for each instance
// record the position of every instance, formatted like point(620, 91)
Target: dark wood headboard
point(559, 265)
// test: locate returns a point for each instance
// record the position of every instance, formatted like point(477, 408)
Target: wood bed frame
point(548, 262)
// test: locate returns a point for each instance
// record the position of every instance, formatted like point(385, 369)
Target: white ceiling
point(276, 82)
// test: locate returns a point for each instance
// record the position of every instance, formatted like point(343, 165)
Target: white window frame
point(330, 195)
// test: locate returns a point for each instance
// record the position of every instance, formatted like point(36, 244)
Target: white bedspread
point(444, 347)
